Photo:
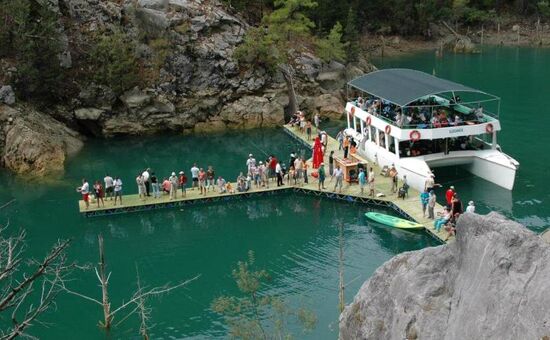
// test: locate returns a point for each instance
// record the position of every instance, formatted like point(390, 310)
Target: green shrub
point(113, 63)
point(29, 34)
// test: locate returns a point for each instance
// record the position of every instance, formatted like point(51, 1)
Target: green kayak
point(392, 221)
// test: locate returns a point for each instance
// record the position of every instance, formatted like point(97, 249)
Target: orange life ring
point(368, 120)
point(489, 128)
point(414, 135)
point(352, 111)
point(387, 129)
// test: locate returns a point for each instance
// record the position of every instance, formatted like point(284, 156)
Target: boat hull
point(491, 165)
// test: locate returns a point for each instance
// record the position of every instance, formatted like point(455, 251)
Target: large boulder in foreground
point(35, 144)
point(492, 283)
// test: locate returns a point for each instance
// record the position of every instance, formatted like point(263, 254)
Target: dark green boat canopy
point(404, 86)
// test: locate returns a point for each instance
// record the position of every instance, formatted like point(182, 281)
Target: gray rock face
point(34, 143)
point(7, 96)
point(492, 283)
point(88, 113)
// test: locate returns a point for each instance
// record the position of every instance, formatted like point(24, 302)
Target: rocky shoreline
point(395, 45)
point(492, 283)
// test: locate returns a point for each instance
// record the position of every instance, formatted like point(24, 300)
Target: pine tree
point(332, 47)
point(351, 36)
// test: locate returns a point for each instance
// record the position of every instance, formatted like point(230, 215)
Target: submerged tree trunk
point(288, 75)
point(104, 280)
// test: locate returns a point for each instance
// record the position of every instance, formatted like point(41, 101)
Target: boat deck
point(409, 208)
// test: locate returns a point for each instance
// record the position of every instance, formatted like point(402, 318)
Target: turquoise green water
point(295, 237)
point(521, 77)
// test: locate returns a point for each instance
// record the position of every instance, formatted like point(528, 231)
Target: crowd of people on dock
point(454, 207)
point(257, 175)
point(272, 171)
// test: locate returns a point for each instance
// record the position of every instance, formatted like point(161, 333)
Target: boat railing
point(486, 118)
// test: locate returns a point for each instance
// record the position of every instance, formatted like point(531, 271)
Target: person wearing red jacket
point(449, 196)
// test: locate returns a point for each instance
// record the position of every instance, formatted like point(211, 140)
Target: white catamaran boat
point(417, 122)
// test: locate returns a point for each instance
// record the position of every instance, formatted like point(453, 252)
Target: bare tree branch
point(138, 298)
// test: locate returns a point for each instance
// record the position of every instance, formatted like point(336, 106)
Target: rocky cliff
point(193, 82)
point(492, 283)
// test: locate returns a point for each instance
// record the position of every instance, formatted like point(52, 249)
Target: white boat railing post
point(347, 116)
point(396, 141)
point(494, 143)
point(387, 141)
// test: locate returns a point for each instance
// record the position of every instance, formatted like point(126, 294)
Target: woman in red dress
point(317, 153)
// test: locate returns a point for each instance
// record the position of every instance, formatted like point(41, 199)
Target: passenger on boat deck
point(458, 120)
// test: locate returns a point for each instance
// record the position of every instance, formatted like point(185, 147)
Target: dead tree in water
point(136, 303)
point(28, 287)
point(341, 285)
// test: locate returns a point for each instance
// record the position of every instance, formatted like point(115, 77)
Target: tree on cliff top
point(29, 34)
point(112, 62)
point(332, 47)
point(284, 33)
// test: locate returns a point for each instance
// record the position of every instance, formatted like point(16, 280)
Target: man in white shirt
point(339, 175)
point(195, 176)
point(250, 162)
point(118, 190)
point(279, 172)
point(85, 191)
point(109, 186)
point(471, 208)
point(370, 180)
point(145, 175)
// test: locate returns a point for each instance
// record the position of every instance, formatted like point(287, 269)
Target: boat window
point(444, 145)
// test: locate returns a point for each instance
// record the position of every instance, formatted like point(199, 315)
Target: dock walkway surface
point(409, 208)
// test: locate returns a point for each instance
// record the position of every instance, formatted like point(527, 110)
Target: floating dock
point(409, 208)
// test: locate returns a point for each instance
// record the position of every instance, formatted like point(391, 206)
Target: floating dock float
point(409, 208)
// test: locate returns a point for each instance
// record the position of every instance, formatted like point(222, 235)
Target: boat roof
point(403, 86)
